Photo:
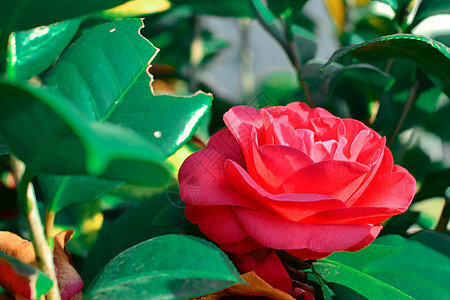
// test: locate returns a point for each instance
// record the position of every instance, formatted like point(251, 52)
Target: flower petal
point(278, 233)
point(202, 176)
point(392, 190)
point(291, 206)
point(338, 179)
point(268, 267)
point(218, 223)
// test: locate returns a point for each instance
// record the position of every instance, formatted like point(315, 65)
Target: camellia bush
point(127, 174)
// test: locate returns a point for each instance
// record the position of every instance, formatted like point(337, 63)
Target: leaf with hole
point(175, 267)
point(31, 52)
point(46, 132)
point(104, 74)
point(390, 268)
point(433, 57)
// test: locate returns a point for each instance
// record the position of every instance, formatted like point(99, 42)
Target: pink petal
point(327, 128)
point(240, 120)
point(278, 233)
point(276, 163)
point(242, 247)
point(394, 190)
point(268, 268)
point(338, 179)
point(367, 240)
point(202, 176)
point(290, 206)
point(307, 254)
point(218, 223)
point(353, 215)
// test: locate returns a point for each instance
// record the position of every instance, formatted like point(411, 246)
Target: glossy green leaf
point(225, 8)
point(42, 129)
point(161, 214)
point(390, 268)
point(428, 8)
point(438, 241)
point(23, 14)
point(433, 57)
point(32, 51)
point(104, 74)
point(175, 267)
point(60, 191)
point(434, 185)
point(304, 41)
point(22, 279)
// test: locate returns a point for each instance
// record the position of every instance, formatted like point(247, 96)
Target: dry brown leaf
point(69, 282)
point(256, 287)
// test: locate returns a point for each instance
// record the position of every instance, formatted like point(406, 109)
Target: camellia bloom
point(292, 178)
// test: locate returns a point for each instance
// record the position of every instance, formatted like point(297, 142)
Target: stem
point(411, 99)
point(48, 225)
point(445, 216)
point(28, 205)
point(290, 50)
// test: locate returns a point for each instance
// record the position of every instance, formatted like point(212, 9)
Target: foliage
point(102, 122)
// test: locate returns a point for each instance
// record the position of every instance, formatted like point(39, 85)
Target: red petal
point(202, 176)
point(268, 268)
point(290, 206)
point(278, 233)
point(338, 179)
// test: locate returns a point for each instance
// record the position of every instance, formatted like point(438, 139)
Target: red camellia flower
point(292, 178)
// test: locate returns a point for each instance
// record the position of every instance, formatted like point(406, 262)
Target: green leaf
point(224, 8)
point(428, 8)
point(435, 240)
point(23, 14)
point(161, 214)
point(175, 267)
point(3, 148)
point(104, 74)
point(60, 191)
point(434, 185)
point(390, 268)
point(304, 41)
point(433, 57)
point(22, 279)
point(435, 122)
point(32, 51)
point(283, 7)
point(43, 130)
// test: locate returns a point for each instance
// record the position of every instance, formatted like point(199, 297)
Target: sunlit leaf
point(92, 73)
point(135, 8)
point(175, 267)
point(32, 51)
point(42, 129)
